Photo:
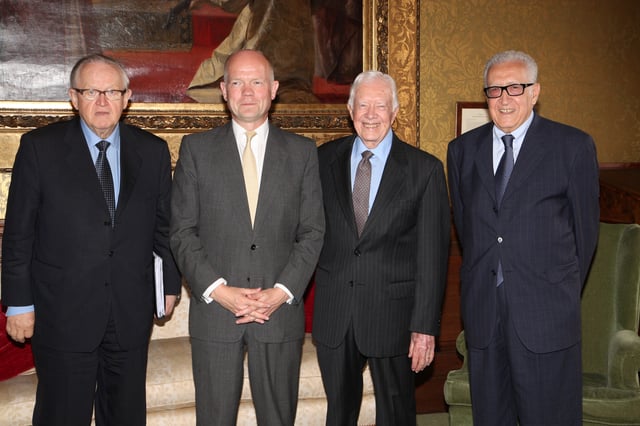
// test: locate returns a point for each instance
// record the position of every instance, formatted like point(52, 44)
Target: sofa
point(170, 389)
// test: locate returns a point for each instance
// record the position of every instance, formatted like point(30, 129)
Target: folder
point(159, 285)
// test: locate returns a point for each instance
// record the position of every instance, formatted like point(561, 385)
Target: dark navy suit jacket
point(60, 252)
point(545, 232)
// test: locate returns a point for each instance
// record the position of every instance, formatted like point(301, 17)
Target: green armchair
point(610, 341)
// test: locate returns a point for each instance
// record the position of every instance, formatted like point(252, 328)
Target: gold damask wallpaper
point(588, 54)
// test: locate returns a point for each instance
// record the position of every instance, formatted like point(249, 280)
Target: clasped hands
point(249, 304)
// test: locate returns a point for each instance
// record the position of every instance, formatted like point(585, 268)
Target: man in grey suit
point(246, 231)
point(382, 271)
point(528, 238)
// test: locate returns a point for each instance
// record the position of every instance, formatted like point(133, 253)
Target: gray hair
point(97, 58)
point(513, 56)
point(367, 76)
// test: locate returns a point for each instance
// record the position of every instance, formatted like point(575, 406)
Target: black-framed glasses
point(92, 94)
point(492, 92)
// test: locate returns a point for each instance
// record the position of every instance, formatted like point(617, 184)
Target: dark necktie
point(502, 178)
point(361, 187)
point(503, 173)
point(106, 179)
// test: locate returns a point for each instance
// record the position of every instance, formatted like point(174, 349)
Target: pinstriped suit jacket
point(545, 232)
point(212, 236)
point(390, 281)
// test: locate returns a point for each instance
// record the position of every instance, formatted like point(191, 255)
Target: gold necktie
point(250, 172)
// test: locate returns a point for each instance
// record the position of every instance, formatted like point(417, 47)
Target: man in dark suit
point(78, 253)
point(382, 270)
point(246, 230)
point(526, 251)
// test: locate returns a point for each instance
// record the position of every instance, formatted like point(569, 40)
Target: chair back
point(611, 296)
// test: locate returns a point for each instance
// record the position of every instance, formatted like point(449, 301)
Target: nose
point(102, 98)
point(371, 111)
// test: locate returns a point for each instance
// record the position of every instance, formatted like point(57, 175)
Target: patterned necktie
point(361, 187)
point(106, 179)
point(503, 173)
point(502, 178)
point(250, 172)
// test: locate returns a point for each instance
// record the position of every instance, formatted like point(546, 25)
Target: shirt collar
point(92, 139)
point(518, 134)
point(381, 151)
point(261, 131)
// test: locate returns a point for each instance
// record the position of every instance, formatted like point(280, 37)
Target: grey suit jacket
point(212, 237)
point(389, 281)
point(545, 232)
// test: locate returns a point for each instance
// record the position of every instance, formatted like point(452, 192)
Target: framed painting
point(174, 50)
point(470, 115)
point(166, 111)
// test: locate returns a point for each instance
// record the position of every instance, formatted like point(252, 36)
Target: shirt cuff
point(286, 290)
point(205, 296)
point(16, 310)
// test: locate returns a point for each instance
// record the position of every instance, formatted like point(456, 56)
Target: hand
point(20, 326)
point(273, 297)
point(241, 302)
point(170, 301)
point(421, 351)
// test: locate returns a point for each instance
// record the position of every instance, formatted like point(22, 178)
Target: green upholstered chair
point(610, 342)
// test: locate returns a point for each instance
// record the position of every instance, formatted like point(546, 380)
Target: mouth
point(506, 110)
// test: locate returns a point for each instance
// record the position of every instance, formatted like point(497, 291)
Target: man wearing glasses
point(88, 206)
point(524, 191)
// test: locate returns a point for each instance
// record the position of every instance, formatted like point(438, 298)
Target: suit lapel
point(275, 158)
point(484, 161)
point(130, 164)
point(80, 163)
point(393, 178)
point(341, 172)
point(225, 159)
point(534, 148)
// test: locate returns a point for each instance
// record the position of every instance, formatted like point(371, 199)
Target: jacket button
point(357, 252)
point(350, 283)
point(253, 246)
point(500, 240)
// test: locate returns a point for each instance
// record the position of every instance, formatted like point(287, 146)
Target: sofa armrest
point(625, 360)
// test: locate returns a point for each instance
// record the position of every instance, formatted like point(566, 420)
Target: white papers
point(159, 285)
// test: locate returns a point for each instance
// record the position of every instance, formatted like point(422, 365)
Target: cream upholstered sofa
point(170, 390)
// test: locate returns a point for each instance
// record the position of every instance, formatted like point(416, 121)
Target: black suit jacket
point(545, 232)
point(390, 281)
point(60, 252)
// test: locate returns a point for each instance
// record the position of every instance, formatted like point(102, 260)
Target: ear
point(274, 89)
point(535, 93)
point(223, 89)
point(74, 98)
point(127, 96)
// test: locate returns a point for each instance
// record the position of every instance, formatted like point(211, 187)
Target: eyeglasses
point(493, 92)
point(92, 94)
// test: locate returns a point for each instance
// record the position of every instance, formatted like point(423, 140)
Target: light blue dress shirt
point(113, 155)
point(378, 160)
point(518, 138)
